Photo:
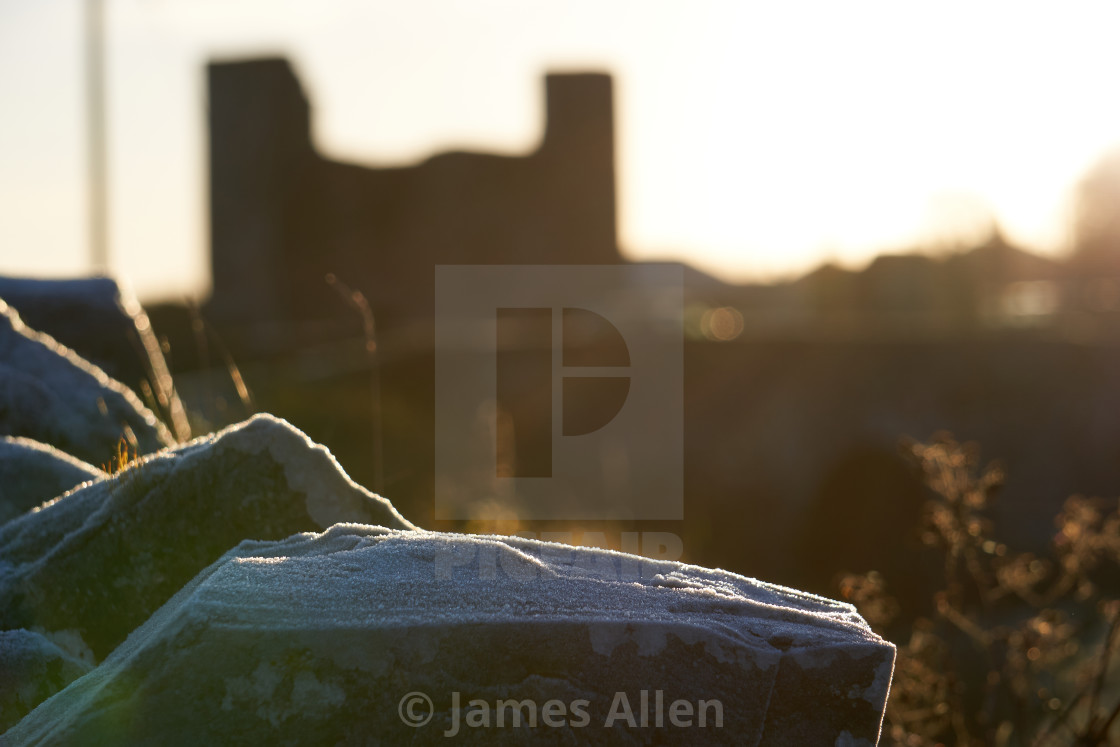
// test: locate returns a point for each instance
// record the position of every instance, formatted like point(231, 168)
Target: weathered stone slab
point(32, 472)
point(98, 561)
point(106, 325)
point(51, 394)
point(341, 637)
point(32, 669)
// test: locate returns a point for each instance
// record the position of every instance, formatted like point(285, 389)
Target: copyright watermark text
point(644, 709)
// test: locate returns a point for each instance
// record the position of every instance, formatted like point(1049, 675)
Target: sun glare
point(753, 140)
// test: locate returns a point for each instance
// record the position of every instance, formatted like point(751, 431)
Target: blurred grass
point(1020, 649)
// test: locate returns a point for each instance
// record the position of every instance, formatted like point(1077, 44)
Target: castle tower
point(283, 217)
point(260, 146)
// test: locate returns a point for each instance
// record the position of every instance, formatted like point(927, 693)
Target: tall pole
point(96, 144)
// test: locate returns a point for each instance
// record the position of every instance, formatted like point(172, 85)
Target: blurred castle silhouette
point(283, 217)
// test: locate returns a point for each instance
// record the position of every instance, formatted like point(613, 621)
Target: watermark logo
point(559, 392)
point(643, 556)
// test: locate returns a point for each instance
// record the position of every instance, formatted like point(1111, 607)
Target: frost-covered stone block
point(32, 472)
point(99, 560)
point(51, 394)
point(343, 637)
point(32, 668)
point(105, 324)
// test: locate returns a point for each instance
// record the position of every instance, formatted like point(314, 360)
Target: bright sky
point(755, 139)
